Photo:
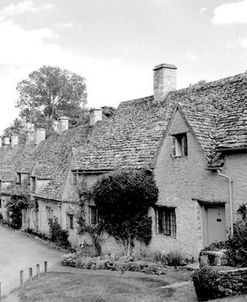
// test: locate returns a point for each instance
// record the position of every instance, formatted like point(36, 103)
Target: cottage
point(194, 140)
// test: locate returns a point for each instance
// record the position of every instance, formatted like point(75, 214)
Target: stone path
point(19, 252)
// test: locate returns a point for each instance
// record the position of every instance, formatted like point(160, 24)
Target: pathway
point(19, 252)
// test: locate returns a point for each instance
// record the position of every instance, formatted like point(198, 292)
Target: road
point(19, 252)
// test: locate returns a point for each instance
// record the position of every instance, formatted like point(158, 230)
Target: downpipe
point(230, 181)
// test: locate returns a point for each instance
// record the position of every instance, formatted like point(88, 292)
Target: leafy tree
point(123, 199)
point(14, 207)
point(95, 231)
point(48, 93)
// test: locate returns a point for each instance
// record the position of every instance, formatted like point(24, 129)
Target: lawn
point(100, 286)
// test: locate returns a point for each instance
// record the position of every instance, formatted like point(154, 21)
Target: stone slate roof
point(130, 139)
point(54, 160)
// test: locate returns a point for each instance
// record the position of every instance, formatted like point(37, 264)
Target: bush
point(175, 259)
point(205, 284)
point(14, 208)
point(237, 245)
point(216, 246)
point(57, 234)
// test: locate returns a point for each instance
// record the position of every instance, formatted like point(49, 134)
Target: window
point(75, 178)
point(18, 180)
point(93, 215)
point(49, 213)
point(166, 221)
point(70, 221)
point(179, 145)
point(33, 184)
point(0, 203)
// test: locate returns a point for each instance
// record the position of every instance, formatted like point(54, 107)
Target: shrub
point(57, 234)
point(123, 199)
point(216, 246)
point(14, 207)
point(237, 244)
point(175, 258)
point(205, 283)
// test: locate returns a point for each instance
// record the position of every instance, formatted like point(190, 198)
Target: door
point(215, 224)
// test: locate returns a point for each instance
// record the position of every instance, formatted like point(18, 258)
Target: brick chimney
point(165, 80)
point(39, 135)
point(63, 124)
point(30, 137)
point(6, 141)
point(95, 116)
point(14, 140)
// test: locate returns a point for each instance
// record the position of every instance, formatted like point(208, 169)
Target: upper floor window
point(179, 145)
point(165, 221)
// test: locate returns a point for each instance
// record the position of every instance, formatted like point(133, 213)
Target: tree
point(48, 93)
point(123, 199)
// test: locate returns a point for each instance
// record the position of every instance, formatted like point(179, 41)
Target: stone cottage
point(193, 139)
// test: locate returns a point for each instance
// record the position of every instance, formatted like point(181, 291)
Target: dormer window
point(179, 145)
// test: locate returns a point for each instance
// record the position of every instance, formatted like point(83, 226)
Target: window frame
point(165, 221)
point(70, 221)
point(93, 215)
point(179, 145)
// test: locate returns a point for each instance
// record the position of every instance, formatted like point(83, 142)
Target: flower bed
point(124, 264)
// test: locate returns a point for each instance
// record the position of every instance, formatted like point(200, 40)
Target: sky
point(115, 44)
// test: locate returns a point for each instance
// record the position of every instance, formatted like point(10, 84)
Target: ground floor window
point(70, 221)
point(93, 215)
point(165, 221)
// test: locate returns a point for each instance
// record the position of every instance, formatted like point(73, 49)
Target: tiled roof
point(53, 162)
point(215, 111)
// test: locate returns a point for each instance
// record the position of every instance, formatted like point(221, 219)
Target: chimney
point(39, 135)
point(6, 141)
point(30, 137)
point(14, 140)
point(164, 80)
point(63, 124)
point(95, 116)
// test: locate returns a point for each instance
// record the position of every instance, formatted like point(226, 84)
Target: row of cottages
point(194, 140)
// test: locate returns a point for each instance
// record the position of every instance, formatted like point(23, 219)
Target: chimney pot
point(95, 115)
point(63, 124)
point(39, 135)
point(164, 80)
point(30, 137)
point(14, 140)
point(6, 140)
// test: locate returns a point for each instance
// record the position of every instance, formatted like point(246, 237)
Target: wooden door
point(216, 224)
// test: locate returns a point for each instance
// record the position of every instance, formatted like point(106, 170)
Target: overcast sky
point(116, 43)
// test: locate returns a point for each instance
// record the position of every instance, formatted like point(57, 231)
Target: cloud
point(203, 10)
point(20, 8)
point(23, 50)
point(189, 56)
point(243, 43)
point(235, 12)
point(68, 25)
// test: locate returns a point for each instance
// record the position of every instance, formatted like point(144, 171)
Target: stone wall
point(212, 284)
point(181, 181)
